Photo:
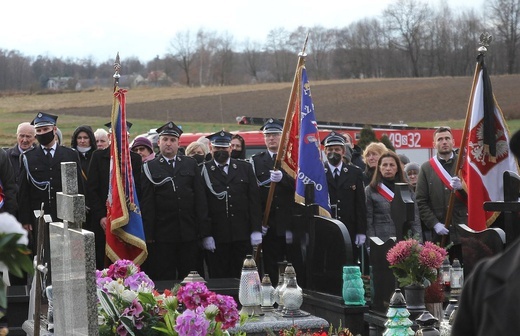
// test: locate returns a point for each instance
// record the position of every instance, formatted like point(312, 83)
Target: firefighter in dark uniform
point(97, 192)
point(42, 174)
point(277, 232)
point(346, 190)
point(234, 209)
point(174, 209)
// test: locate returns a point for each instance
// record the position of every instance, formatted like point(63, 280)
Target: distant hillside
point(365, 101)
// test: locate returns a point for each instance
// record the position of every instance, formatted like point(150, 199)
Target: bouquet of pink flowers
point(129, 305)
point(415, 263)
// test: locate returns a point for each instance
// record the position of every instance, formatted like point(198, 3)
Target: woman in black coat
point(84, 141)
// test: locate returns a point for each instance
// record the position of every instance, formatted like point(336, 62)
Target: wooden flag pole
point(283, 140)
point(285, 130)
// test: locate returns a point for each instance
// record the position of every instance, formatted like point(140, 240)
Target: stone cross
point(72, 262)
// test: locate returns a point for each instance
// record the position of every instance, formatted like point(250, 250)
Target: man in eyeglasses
point(434, 186)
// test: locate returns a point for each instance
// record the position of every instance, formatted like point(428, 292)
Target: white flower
point(128, 295)
point(115, 287)
point(9, 224)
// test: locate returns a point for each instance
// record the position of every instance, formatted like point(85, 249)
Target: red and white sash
point(385, 192)
point(441, 172)
point(444, 176)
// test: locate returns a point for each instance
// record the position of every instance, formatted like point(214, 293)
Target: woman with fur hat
point(143, 146)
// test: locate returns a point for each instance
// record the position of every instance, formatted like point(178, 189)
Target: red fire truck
point(414, 142)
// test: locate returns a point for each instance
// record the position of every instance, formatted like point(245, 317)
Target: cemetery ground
point(415, 101)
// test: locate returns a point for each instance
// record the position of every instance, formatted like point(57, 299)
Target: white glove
point(264, 230)
point(256, 238)
point(276, 175)
point(441, 229)
point(288, 237)
point(456, 183)
point(209, 244)
point(360, 239)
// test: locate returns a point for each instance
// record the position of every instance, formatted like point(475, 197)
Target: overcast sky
point(144, 29)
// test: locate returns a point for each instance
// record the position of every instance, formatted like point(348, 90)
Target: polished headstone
point(477, 245)
point(402, 210)
point(382, 279)
point(332, 250)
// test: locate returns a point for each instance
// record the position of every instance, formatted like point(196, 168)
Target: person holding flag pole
point(124, 229)
point(299, 153)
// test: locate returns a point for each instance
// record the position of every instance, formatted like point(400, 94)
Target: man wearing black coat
point(97, 193)
point(25, 138)
point(174, 209)
point(346, 191)
point(42, 175)
point(277, 234)
point(234, 209)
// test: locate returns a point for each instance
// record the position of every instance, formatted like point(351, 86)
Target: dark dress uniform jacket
point(174, 213)
point(9, 186)
point(489, 301)
point(14, 157)
point(41, 170)
point(282, 206)
point(234, 217)
point(98, 181)
point(348, 194)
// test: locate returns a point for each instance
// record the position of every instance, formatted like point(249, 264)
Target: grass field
point(417, 102)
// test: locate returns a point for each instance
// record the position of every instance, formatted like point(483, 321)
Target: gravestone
point(73, 263)
point(382, 284)
point(510, 206)
point(382, 279)
point(402, 210)
point(477, 245)
point(331, 251)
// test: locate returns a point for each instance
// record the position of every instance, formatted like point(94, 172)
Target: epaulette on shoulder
point(258, 154)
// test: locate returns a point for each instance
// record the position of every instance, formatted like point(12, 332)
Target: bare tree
point(505, 16)
point(183, 51)
point(224, 59)
point(278, 46)
point(252, 58)
point(321, 43)
point(406, 21)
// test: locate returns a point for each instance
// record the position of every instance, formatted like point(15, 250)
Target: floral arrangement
point(295, 331)
point(129, 305)
point(14, 254)
point(414, 263)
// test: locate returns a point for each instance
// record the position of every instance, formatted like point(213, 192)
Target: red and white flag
point(487, 154)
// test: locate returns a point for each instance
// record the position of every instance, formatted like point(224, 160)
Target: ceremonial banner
point(486, 154)
point(124, 233)
point(310, 164)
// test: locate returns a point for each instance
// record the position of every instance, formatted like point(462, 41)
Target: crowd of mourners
point(203, 203)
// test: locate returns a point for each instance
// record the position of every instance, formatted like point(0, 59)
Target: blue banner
point(310, 165)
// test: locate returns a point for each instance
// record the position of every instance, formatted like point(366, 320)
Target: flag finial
point(485, 40)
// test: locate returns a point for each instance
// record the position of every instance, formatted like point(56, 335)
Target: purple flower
point(192, 323)
point(227, 310)
point(135, 309)
point(122, 268)
point(193, 295)
point(134, 281)
point(121, 330)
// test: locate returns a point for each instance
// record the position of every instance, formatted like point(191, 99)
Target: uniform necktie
point(336, 173)
point(48, 154)
point(274, 157)
point(223, 168)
